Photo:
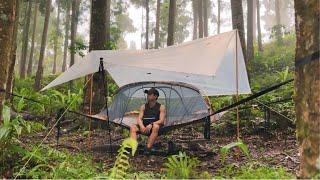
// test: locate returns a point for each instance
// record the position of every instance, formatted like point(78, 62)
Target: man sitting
point(151, 118)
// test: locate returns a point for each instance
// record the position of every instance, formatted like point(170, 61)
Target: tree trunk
point(219, 18)
point(205, 18)
point(171, 22)
point(156, 33)
point(39, 74)
point(147, 24)
point(250, 50)
point(254, 20)
point(98, 37)
point(74, 25)
point(30, 64)
point(66, 38)
point(237, 23)
point(195, 19)
point(307, 83)
point(55, 49)
point(278, 22)
point(9, 85)
point(108, 19)
point(200, 14)
point(7, 23)
point(25, 40)
point(260, 48)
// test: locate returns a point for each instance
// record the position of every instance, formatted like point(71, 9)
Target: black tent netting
point(184, 103)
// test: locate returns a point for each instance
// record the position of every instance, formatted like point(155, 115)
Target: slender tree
point(254, 20)
point(260, 48)
point(200, 14)
point(157, 29)
point(7, 23)
point(39, 74)
point(147, 23)
point(74, 24)
point(55, 48)
point(25, 42)
point(98, 37)
point(278, 22)
point(66, 37)
point(250, 50)
point(195, 19)
point(218, 17)
point(108, 19)
point(9, 84)
point(171, 22)
point(307, 82)
point(237, 22)
point(205, 18)
point(35, 16)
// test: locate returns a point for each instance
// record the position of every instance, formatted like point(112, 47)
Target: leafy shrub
point(181, 166)
point(225, 149)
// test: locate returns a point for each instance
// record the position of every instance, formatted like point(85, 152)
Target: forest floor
point(273, 150)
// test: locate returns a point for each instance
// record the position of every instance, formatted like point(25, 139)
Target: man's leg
point(153, 136)
point(133, 131)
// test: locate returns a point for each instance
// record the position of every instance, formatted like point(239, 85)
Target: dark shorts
point(160, 126)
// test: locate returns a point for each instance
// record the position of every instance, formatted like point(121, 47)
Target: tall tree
point(195, 18)
point(171, 22)
point(10, 77)
point(205, 18)
point(254, 20)
point(74, 24)
point(66, 36)
point(108, 23)
point(307, 82)
point(237, 23)
point(260, 48)
point(278, 26)
point(35, 16)
point(56, 37)
point(157, 29)
point(7, 22)
point(98, 37)
point(39, 74)
point(200, 14)
point(25, 42)
point(250, 50)
point(218, 17)
point(147, 23)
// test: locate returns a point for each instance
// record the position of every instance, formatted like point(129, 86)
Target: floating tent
point(215, 65)
point(183, 74)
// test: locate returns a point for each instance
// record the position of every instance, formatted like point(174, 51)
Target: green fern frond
point(122, 162)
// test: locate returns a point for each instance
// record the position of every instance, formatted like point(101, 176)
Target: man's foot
point(150, 151)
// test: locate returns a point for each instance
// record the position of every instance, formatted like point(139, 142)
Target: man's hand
point(148, 128)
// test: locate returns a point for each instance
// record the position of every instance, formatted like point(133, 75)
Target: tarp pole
point(90, 112)
point(237, 86)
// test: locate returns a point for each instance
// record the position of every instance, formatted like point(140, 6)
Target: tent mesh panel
point(183, 103)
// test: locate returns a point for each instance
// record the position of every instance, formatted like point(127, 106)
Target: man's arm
point(139, 121)
point(162, 115)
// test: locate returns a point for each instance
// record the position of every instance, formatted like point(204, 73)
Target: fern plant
point(181, 166)
point(122, 164)
point(225, 149)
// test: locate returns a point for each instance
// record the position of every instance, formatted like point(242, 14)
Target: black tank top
point(151, 114)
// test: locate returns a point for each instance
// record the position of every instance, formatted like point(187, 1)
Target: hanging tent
point(212, 66)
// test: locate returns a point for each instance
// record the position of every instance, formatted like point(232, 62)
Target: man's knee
point(155, 128)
